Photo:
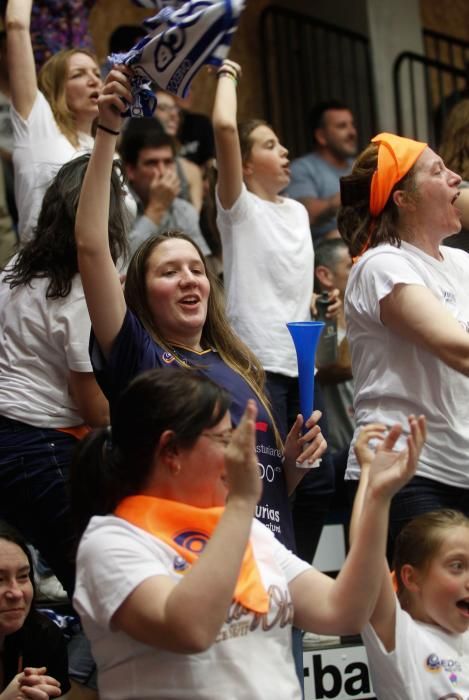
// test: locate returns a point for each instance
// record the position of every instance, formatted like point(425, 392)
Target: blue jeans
point(34, 467)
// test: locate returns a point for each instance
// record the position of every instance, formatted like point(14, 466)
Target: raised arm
point(21, 66)
point(349, 601)
point(186, 617)
point(101, 282)
point(228, 151)
point(413, 312)
point(383, 618)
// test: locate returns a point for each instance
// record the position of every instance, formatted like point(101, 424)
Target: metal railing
point(426, 87)
point(306, 61)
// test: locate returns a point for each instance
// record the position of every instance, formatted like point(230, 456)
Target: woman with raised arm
point(407, 312)
point(181, 593)
point(171, 316)
point(48, 393)
point(52, 113)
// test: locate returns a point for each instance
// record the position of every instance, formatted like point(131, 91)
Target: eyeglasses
point(223, 438)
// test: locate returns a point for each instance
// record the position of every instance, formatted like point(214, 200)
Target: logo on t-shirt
point(167, 358)
point(434, 663)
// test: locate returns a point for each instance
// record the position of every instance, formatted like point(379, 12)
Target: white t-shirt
point(40, 149)
point(251, 658)
point(427, 663)
point(41, 340)
point(268, 264)
point(394, 377)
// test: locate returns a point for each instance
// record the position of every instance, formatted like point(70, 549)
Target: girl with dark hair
point(407, 312)
point(31, 646)
point(47, 389)
point(52, 114)
point(172, 316)
point(180, 591)
point(417, 640)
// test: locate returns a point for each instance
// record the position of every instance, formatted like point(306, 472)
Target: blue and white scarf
point(180, 41)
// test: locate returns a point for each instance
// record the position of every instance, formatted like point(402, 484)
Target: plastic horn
point(306, 336)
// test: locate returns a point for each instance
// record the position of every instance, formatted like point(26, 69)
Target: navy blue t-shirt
point(134, 351)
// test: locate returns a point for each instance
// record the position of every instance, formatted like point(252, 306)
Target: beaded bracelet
point(107, 130)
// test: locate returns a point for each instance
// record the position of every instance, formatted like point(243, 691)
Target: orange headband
point(396, 156)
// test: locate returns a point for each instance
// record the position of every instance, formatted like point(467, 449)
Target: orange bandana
point(187, 530)
point(396, 156)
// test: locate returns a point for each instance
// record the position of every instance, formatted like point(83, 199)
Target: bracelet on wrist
point(228, 74)
point(107, 130)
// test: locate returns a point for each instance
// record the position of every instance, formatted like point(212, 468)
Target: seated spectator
point(180, 591)
point(315, 177)
point(332, 265)
point(48, 392)
point(149, 159)
point(190, 176)
point(52, 114)
point(33, 659)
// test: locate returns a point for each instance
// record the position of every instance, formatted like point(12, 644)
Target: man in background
point(315, 176)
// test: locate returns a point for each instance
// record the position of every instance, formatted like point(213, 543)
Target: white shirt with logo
point(428, 663)
point(251, 658)
point(395, 377)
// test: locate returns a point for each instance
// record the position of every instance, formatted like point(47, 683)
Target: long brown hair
point(454, 147)
point(216, 333)
point(355, 223)
point(51, 82)
point(419, 541)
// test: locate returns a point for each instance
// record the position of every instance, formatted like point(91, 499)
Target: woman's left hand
point(305, 449)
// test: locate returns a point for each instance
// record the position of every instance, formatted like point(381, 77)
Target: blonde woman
point(52, 113)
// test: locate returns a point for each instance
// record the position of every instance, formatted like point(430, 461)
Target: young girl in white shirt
point(417, 639)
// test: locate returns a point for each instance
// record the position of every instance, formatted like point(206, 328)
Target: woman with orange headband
point(407, 310)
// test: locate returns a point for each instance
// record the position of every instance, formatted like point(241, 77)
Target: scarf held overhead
point(180, 41)
point(187, 529)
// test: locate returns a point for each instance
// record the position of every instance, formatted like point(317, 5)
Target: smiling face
point(267, 163)
point(177, 292)
point(82, 86)
point(443, 588)
point(436, 189)
point(202, 479)
point(16, 590)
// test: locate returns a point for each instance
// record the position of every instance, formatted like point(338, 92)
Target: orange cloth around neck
point(396, 156)
point(187, 529)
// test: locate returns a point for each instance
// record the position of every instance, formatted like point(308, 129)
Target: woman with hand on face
point(171, 316)
point(52, 113)
point(407, 312)
point(180, 591)
point(33, 653)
